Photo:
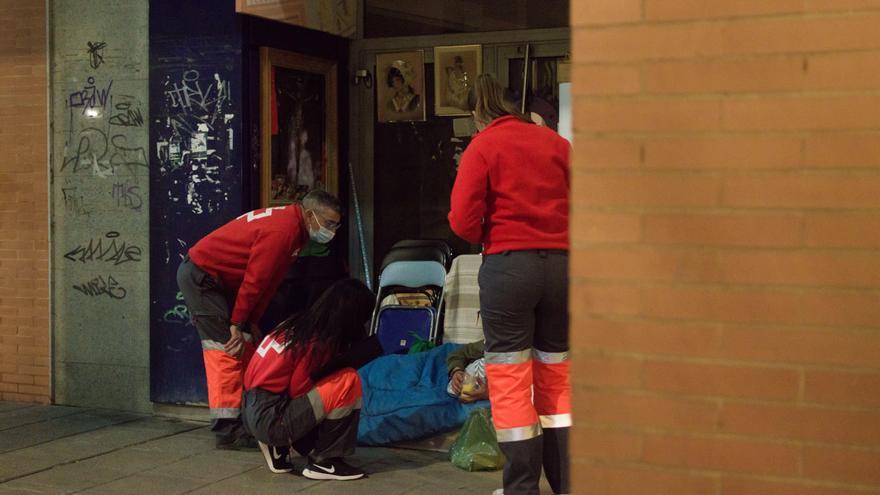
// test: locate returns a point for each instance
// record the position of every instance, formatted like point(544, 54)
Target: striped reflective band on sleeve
point(556, 421)
point(518, 434)
point(516, 357)
point(212, 345)
point(225, 412)
point(551, 357)
point(317, 405)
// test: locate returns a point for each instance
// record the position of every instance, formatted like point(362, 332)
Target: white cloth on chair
point(462, 323)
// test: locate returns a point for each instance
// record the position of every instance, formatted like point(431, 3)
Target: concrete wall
point(726, 247)
point(100, 190)
point(24, 226)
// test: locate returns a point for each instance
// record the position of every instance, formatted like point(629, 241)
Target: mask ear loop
point(316, 219)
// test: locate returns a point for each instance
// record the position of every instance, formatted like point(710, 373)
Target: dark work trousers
point(308, 423)
point(208, 303)
point(524, 308)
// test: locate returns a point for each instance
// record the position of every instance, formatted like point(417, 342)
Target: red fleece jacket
point(512, 188)
point(277, 369)
point(250, 255)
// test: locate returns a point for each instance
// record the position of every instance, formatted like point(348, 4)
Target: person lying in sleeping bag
point(406, 397)
point(302, 392)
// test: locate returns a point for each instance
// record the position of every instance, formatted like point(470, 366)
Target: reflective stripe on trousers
point(552, 389)
point(510, 392)
point(225, 374)
point(515, 414)
point(336, 396)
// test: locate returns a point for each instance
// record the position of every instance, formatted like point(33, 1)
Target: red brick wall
point(726, 247)
point(24, 186)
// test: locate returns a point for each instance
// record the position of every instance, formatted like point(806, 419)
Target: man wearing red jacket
point(227, 280)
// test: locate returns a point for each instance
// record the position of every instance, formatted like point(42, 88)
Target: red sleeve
point(468, 202)
point(270, 253)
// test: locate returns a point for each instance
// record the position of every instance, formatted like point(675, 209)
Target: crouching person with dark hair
point(302, 392)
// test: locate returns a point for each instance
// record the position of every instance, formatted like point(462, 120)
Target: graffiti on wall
point(103, 158)
point(196, 138)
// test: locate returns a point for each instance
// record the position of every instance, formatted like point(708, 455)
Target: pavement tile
point(14, 465)
point(67, 478)
point(59, 428)
point(13, 418)
point(207, 467)
point(259, 480)
point(146, 484)
point(11, 406)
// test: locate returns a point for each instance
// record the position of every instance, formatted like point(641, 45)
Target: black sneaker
point(236, 440)
point(332, 469)
point(276, 458)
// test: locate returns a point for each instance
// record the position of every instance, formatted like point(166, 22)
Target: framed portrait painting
point(400, 89)
point(455, 69)
point(298, 126)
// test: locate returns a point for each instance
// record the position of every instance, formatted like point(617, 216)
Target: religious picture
point(299, 127)
point(455, 69)
point(400, 87)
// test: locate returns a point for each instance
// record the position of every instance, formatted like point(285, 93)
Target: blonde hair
point(486, 100)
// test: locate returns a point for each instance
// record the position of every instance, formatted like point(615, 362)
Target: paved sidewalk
point(56, 449)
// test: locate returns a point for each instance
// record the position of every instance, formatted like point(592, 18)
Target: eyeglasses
point(324, 222)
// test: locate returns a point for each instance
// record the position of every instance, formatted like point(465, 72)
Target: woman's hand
point(457, 381)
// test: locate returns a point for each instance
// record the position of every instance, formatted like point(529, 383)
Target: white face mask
point(323, 235)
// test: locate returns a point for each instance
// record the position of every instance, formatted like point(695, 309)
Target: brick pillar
point(24, 186)
point(725, 235)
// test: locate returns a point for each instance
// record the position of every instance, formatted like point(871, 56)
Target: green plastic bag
point(420, 345)
point(476, 448)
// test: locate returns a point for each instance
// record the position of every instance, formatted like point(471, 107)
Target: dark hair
point(334, 322)
point(486, 100)
point(392, 73)
point(321, 199)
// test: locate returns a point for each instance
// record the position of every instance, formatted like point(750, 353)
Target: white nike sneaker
point(276, 458)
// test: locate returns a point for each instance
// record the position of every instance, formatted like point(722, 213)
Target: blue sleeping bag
point(405, 398)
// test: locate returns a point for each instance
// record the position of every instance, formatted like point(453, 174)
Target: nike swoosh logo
point(275, 456)
point(331, 469)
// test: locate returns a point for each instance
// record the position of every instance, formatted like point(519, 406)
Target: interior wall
point(100, 202)
point(24, 203)
point(421, 152)
point(725, 247)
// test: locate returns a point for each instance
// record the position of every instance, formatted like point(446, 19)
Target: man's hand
point(480, 392)
point(235, 345)
point(457, 381)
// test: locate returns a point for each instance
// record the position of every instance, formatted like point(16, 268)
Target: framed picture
point(400, 89)
point(455, 68)
point(298, 126)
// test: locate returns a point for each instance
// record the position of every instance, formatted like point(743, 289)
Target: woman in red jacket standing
point(511, 195)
